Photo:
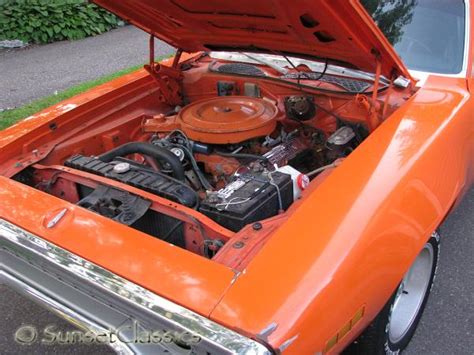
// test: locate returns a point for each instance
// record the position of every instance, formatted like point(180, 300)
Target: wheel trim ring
point(410, 295)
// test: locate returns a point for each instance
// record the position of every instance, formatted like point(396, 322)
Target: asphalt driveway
point(32, 73)
point(448, 323)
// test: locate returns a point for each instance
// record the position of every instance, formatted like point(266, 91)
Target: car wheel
point(394, 326)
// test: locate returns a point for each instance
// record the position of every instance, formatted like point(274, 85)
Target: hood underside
point(337, 30)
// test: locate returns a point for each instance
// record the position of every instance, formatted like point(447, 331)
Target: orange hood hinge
point(168, 78)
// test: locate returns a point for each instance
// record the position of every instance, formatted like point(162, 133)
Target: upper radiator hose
point(159, 154)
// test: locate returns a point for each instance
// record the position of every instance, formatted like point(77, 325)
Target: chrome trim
point(55, 220)
point(44, 255)
point(66, 313)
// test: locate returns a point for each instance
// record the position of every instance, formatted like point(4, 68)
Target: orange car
point(275, 187)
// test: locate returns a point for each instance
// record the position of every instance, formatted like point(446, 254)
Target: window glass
point(427, 34)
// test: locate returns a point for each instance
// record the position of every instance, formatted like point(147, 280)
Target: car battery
point(249, 198)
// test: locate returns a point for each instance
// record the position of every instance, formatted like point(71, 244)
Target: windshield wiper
point(268, 63)
point(306, 74)
point(351, 81)
point(278, 61)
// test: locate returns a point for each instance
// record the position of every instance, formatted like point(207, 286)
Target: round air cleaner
point(229, 119)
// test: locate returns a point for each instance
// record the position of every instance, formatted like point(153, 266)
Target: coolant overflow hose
point(158, 153)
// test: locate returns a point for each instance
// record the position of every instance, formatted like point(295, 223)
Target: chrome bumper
point(97, 300)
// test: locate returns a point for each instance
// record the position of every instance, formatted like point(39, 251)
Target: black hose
point(240, 155)
point(158, 153)
point(196, 169)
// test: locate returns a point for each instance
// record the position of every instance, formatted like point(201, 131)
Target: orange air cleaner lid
point(229, 119)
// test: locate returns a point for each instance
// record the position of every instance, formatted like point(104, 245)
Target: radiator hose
point(158, 153)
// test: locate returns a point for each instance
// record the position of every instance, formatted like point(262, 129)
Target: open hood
point(339, 30)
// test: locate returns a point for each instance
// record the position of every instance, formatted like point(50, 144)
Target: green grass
point(7, 118)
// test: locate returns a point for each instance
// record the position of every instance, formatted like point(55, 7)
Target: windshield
point(427, 34)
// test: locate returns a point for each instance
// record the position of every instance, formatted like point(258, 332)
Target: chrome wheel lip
point(411, 294)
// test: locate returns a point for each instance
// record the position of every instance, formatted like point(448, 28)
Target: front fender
point(327, 272)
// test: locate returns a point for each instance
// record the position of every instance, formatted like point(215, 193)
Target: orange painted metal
point(340, 30)
point(218, 166)
point(350, 242)
point(228, 119)
point(168, 78)
point(147, 261)
point(43, 176)
point(342, 248)
point(220, 120)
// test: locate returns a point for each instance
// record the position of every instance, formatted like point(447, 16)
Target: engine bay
point(215, 154)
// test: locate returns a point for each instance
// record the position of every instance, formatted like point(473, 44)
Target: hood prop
point(374, 119)
point(371, 104)
point(168, 78)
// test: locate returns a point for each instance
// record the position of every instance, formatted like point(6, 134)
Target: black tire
point(376, 340)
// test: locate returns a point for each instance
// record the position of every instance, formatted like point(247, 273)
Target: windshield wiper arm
point(269, 63)
point(302, 73)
